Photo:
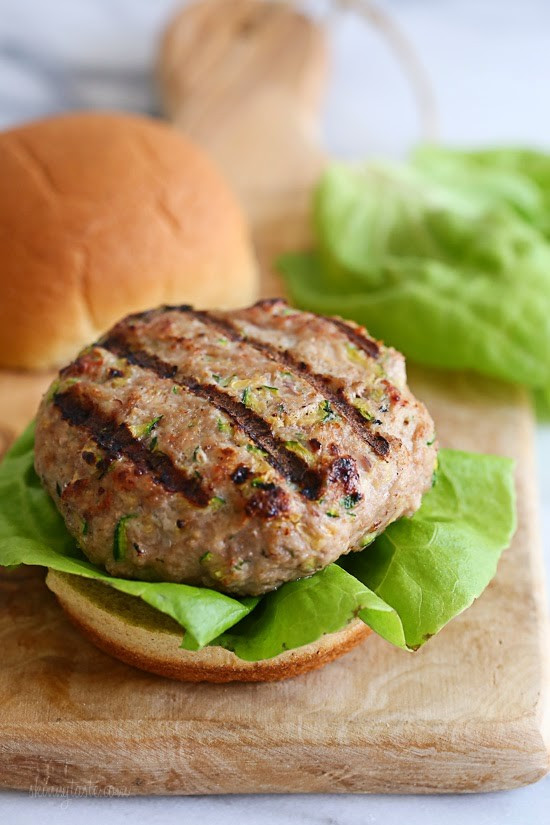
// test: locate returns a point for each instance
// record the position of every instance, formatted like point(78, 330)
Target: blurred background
point(487, 64)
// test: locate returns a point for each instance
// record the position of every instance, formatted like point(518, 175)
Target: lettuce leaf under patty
point(446, 258)
point(406, 586)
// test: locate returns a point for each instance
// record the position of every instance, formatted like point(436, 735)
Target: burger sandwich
point(247, 494)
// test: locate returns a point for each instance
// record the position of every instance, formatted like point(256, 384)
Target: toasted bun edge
point(125, 635)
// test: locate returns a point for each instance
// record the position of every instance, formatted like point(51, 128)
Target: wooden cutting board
point(468, 712)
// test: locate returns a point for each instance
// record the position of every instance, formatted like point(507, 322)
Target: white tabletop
point(489, 66)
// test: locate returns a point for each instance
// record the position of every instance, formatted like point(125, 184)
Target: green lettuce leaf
point(519, 176)
point(295, 614)
point(541, 403)
point(449, 268)
point(426, 295)
point(33, 532)
point(410, 582)
point(429, 567)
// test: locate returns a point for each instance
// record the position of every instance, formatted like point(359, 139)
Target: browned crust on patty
point(232, 450)
point(285, 358)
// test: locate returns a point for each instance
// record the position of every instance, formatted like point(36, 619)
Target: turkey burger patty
point(235, 450)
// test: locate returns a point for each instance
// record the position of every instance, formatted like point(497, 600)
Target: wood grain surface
point(468, 712)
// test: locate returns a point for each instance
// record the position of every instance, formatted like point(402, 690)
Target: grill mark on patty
point(240, 474)
point(344, 470)
point(116, 439)
point(269, 502)
point(363, 342)
point(285, 461)
point(321, 383)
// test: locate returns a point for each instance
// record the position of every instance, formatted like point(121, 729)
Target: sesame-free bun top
point(102, 214)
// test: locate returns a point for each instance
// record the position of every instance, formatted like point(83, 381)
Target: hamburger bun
point(130, 630)
point(102, 214)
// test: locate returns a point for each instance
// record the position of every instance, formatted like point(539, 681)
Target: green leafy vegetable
point(252, 448)
point(33, 532)
point(295, 614)
point(199, 455)
point(120, 540)
point(143, 430)
point(517, 177)
point(260, 483)
point(428, 567)
point(356, 355)
point(300, 449)
point(223, 426)
point(326, 412)
point(363, 408)
point(349, 502)
point(444, 259)
point(541, 398)
point(406, 585)
point(524, 175)
point(223, 382)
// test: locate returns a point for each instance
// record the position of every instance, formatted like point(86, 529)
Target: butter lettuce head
point(517, 175)
point(446, 258)
point(406, 585)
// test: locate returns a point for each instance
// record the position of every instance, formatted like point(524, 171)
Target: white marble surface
point(489, 63)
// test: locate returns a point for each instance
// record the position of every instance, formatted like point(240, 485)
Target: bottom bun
point(137, 634)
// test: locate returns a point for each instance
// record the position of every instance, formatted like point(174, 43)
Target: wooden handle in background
point(245, 79)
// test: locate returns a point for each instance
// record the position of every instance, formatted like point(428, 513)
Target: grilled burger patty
point(236, 450)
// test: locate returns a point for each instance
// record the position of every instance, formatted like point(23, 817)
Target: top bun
point(103, 214)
